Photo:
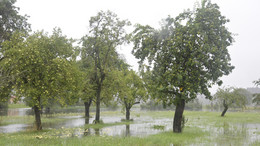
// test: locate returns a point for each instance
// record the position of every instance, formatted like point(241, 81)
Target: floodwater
point(219, 133)
point(14, 128)
point(16, 112)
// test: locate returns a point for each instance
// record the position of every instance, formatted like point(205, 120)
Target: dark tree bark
point(177, 127)
point(97, 118)
point(127, 130)
point(87, 106)
point(225, 108)
point(127, 115)
point(37, 113)
point(224, 112)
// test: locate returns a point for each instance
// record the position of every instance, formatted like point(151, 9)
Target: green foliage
point(10, 21)
point(17, 105)
point(257, 82)
point(256, 96)
point(256, 99)
point(106, 33)
point(187, 55)
point(43, 67)
point(87, 87)
point(131, 88)
point(231, 96)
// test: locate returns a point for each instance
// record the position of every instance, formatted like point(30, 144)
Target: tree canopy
point(106, 33)
point(43, 67)
point(257, 82)
point(187, 55)
point(256, 99)
point(131, 90)
point(231, 96)
point(10, 21)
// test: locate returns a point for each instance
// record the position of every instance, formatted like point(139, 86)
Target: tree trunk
point(224, 112)
point(97, 118)
point(225, 108)
point(127, 116)
point(87, 116)
point(37, 113)
point(127, 130)
point(177, 123)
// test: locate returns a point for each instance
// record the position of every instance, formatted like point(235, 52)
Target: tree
point(131, 90)
point(186, 56)
point(231, 96)
point(44, 68)
point(87, 92)
point(257, 82)
point(10, 21)
point(257, 95)
point(256, 99)
point(106, 34)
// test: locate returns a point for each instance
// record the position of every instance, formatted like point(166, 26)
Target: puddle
point(16, 112)
point(14, 128)
point(139, 130)
point(230, 134)
point(219, 133)
point(141, 127)
point(78, 121)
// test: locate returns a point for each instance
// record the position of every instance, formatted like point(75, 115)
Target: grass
point(51, 137)
point(18, 105)
point(193, 133)
point(159, 127)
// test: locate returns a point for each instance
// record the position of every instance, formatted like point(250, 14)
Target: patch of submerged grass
point(102, 125)
point(159, 127)
point(191, 133)
point(53, 137)
point(6, 120)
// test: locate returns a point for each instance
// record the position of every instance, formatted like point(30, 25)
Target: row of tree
point(44, 68)
point(183, 58)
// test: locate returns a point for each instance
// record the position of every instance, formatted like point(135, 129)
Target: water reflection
point(15, 112)
point(86, 120)
point(14, 128)
point(127, 130)
point(97, 131)
point(228, 133)
point(225, 133)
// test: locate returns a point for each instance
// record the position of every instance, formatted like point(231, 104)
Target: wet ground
point(219, 133)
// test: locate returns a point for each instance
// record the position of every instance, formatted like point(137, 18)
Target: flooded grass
point(147, 128)
point(159, 127)
point(52, 137)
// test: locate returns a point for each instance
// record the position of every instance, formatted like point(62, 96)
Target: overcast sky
point(72, 17)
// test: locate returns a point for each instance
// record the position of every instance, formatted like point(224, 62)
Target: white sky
point(72, 17)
